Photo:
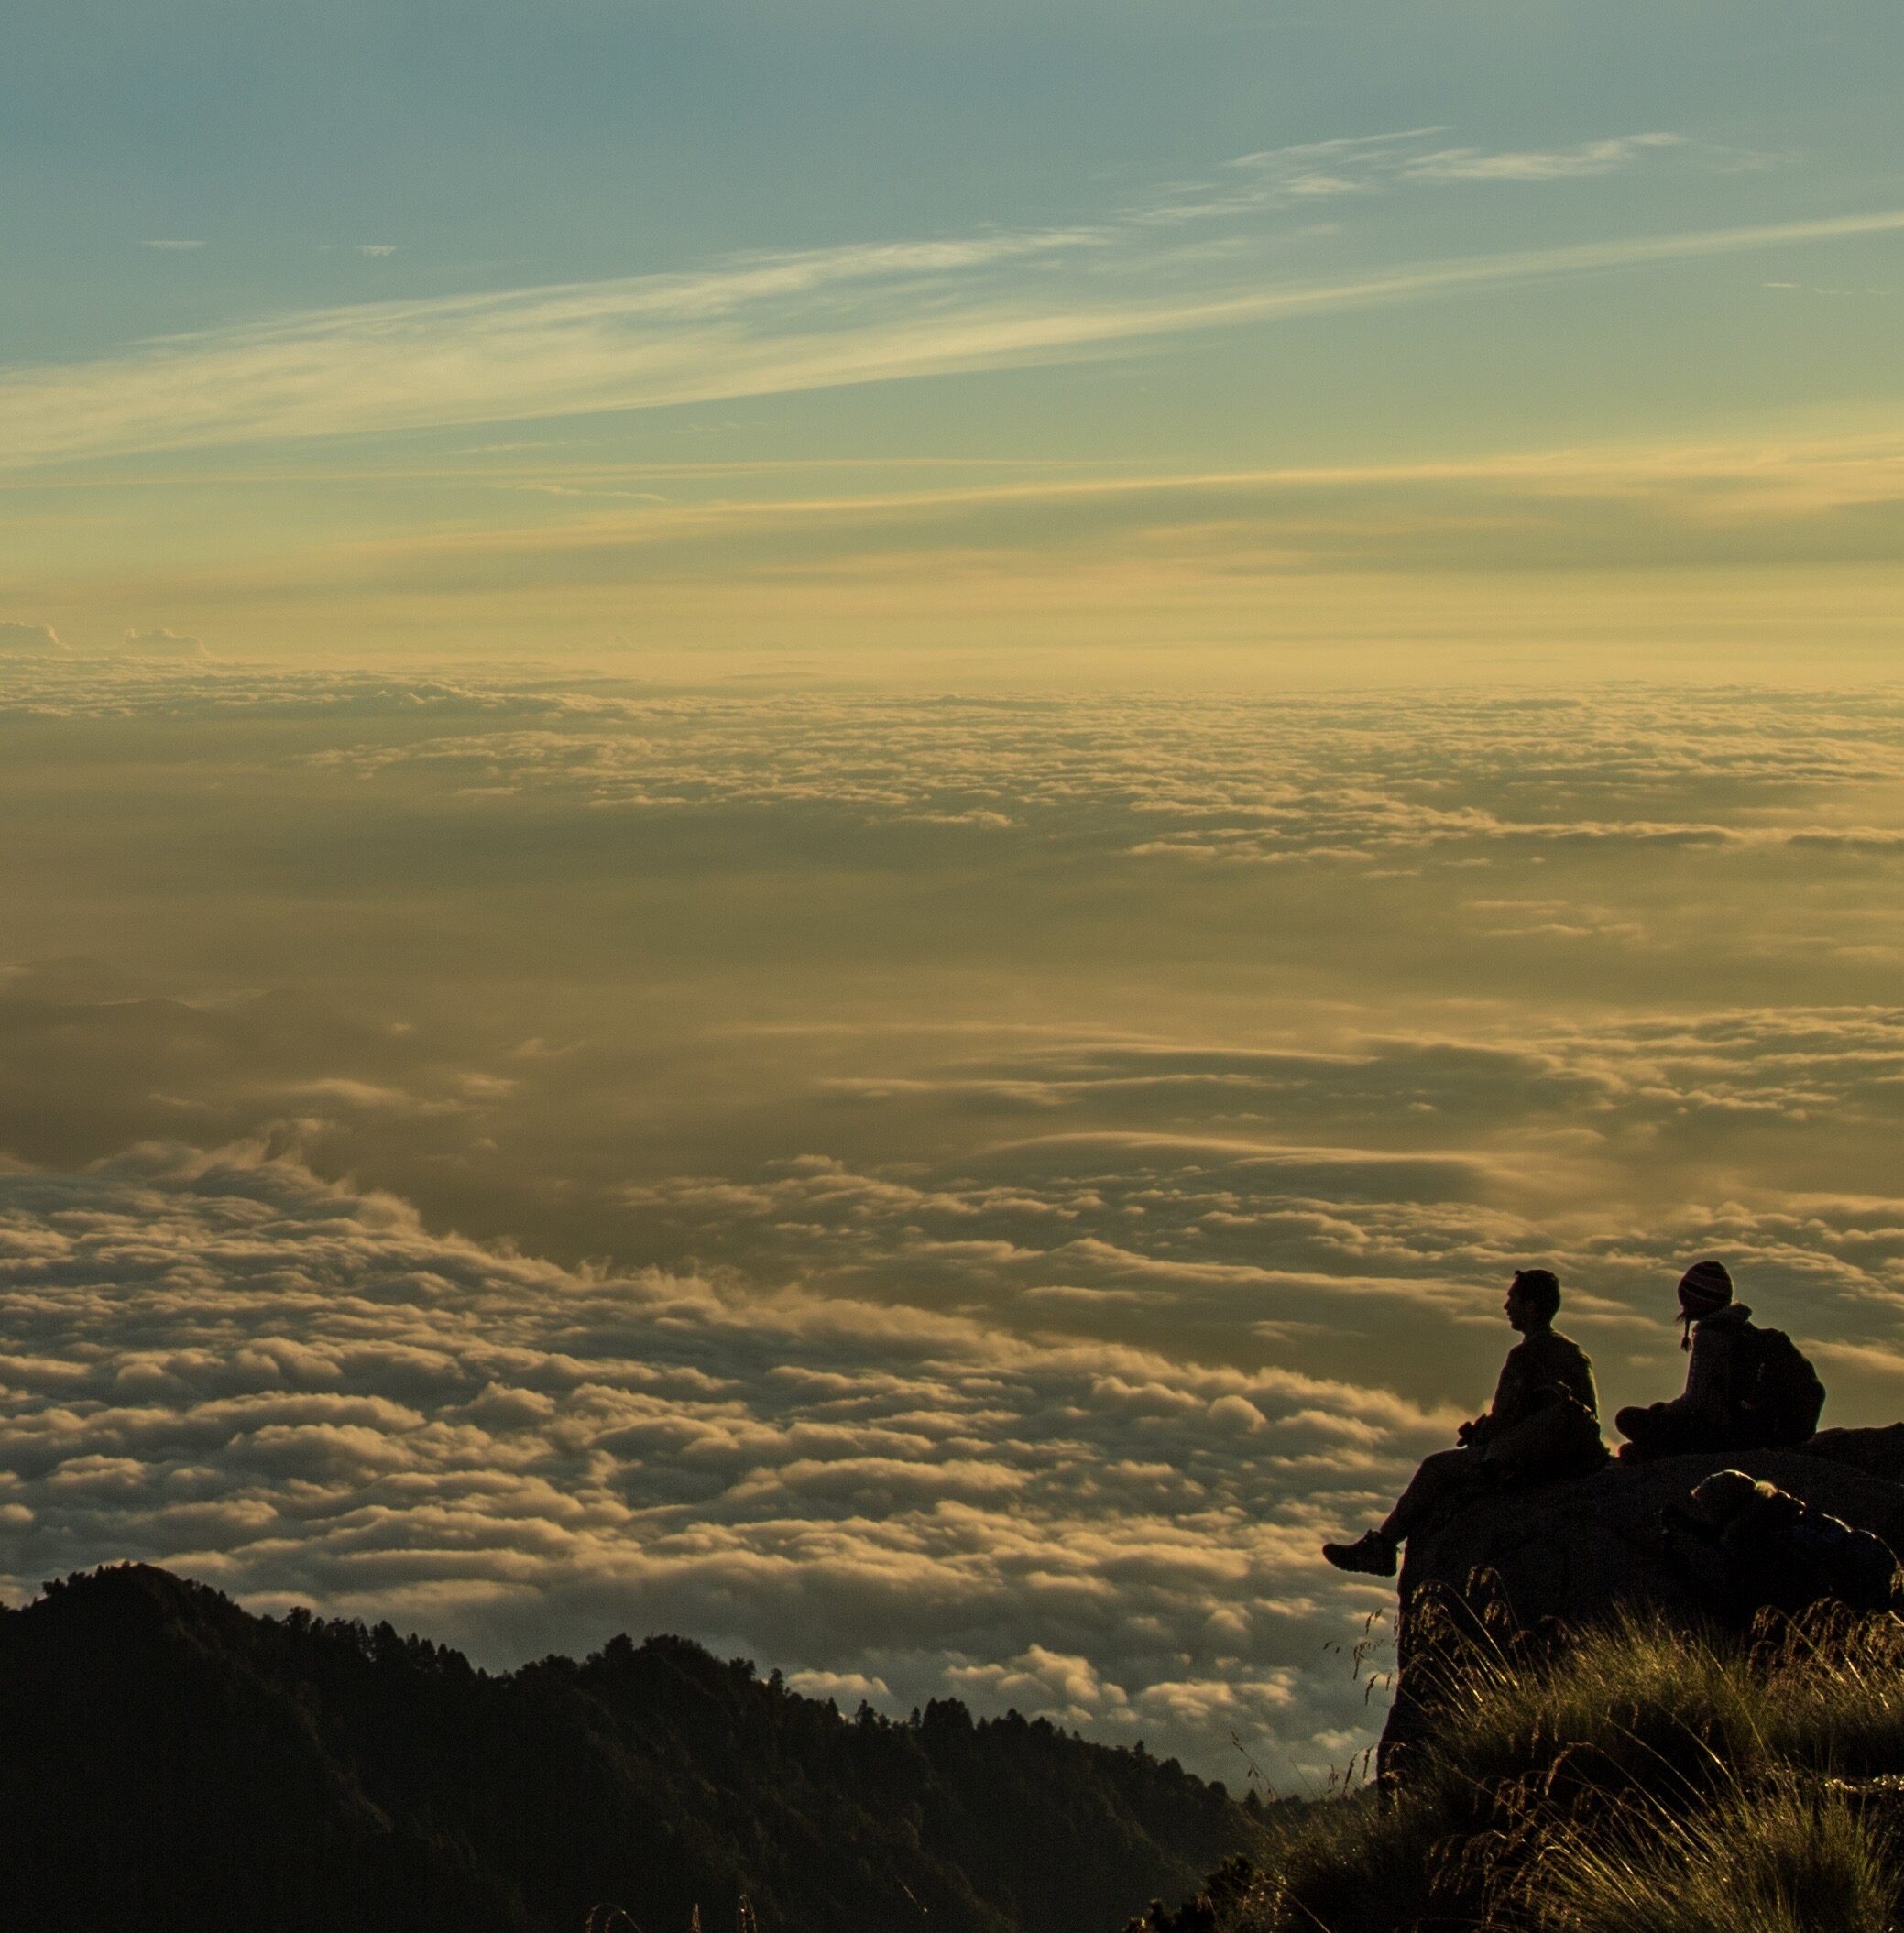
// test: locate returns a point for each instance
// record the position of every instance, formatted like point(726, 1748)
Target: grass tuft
point(1783, 1857)
point(1644, 1777)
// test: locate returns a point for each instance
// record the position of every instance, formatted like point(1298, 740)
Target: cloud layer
point(1268, 782)
point(296, 1392)
point(958, 1193)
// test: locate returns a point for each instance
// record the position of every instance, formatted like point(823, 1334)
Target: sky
point(826, 825)
point(638, 330)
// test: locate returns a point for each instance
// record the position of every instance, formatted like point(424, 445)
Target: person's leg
point(1438, 1479)
point(1665, 1429)
point(1638, 1424)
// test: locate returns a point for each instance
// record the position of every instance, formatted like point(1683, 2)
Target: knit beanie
point(1705, 1286)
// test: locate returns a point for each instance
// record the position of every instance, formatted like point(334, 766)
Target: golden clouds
point(1740, 547)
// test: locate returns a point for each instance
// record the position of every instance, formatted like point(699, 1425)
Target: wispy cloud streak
point(1313, 172)
point(758, 326)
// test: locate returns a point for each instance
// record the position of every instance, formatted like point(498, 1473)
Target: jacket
point(1546, 1410)
point(1712, 1375)
point(1542, 1361)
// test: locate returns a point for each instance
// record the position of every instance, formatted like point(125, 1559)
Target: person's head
point(1722, 1495)
point(1703, 1288)
point(1533, 1298)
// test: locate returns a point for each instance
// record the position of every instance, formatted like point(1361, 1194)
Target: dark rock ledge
point(1518, 1562)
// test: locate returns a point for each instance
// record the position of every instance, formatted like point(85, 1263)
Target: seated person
point(1747, 1388)
point(1751, 1545)
point(1544, 1422)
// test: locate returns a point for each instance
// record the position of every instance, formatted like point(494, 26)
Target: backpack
point(1776, 1391)
point(1853, 1566)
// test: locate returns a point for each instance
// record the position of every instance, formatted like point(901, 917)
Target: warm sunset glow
point(826, 825)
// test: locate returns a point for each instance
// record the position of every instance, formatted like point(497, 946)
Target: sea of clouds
point(914, 1342)
point(295, 1391)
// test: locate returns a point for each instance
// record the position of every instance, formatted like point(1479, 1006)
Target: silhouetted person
point(1544, 1422)
point(1751, 1545)
point(1747, 1388)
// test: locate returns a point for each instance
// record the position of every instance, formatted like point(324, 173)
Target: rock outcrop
point(1577, 1552)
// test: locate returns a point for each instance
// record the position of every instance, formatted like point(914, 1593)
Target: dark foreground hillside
point(1644, 1778)
point(170, 1761)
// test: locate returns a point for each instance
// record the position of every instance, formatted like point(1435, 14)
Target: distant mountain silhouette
point(170, 1763)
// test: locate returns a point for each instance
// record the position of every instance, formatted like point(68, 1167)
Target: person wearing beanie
point(1704, 1289)
point(1706, 1414)
point(1543, 1422)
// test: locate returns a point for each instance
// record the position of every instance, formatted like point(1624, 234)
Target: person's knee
point(1443, 1470)
point(1648, 1422)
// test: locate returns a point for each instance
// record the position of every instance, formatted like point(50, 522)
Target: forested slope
point(173, 1762)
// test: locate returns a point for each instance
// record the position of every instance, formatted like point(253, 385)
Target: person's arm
point(1577, 1380)
point(1708, 1373)
point(1511, 1401)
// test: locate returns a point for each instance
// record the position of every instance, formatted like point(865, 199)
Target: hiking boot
point(1371, 1551)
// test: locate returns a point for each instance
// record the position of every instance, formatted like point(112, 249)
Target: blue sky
point(497, 146)
point(1136, 240)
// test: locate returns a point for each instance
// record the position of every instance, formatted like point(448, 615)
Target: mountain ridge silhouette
point(174, 1762)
